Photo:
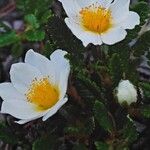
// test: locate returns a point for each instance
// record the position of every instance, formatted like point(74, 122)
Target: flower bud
point(126, 92)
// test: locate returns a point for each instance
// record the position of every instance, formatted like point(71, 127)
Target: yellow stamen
point(43, 94)
point(96, 19)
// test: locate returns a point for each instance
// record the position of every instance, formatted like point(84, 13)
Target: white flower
point(126, 92)
point(38, 87)
point(99, 21)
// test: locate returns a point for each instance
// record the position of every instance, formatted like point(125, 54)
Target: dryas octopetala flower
point(126, 92)
point(99, 21)
point(38, 86)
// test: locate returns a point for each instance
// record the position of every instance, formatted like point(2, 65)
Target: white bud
point(126, 92)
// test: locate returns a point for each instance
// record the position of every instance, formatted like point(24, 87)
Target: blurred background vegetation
point(92, 119)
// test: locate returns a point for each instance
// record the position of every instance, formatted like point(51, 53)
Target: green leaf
point(8, 38)
point(72, 130)
point(45, 17)
point(146, 111)
point(6, 135)
point(143, 9)
point(59, 33)
point(115, 68)
point(17, 49)
point(129, 132)
point(37, 35)
point(101, 114)
point(32, 21)
point(145, 86)
point(101, 146)
point(146, 90)
point(45, 143)
point(79, 146)
point(37, 8)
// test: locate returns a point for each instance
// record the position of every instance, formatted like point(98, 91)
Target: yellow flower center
point(96, 19)
point(43, 94)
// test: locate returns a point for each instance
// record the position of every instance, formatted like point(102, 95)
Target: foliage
point(45, 143)
point(7, 135)
point(101, 114)
point(35, 19)
point(101, 145)
point(145, 110)
point(8, 38)
point(129, 132)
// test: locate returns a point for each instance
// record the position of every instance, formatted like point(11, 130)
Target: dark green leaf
point(17, 49)
point(45, 17)
point(8, 38)
point(32, 21)
point(101, 114)
point(36, 35)
point(60, 33)
point(101, 146)
point(143, 9)
point(115, 67)
point(129, 132)
point(145, 110)
point(146, 90)
point(79, 147)
point(45, 143)
point(72, 130)
point(6, 135)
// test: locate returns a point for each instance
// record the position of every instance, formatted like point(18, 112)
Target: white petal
point(20, 109)
point(58, 58)
point(46, 114)
point(55, 108)
point(63, 82)
point(71, 7)
point(23, 121)
point(114, 35)
point(8, 92)
point(39, 61)
point(60, 64)
point(22, 74)
point(84, 36)
point(42, 63)
point(131, 21)
point(120, 10)
point(86, 3)
point(105, 3)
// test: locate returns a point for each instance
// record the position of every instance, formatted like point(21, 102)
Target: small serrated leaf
point(79, 147)
point(129, 132)
point(101, 114)
point(146, 90)
point(101, 146)
point(6, 135)
point(115, 68)
point(143, 9)
point(8, 38)
point(32, 21)
point(37, 35)
point(17, 49)
point(45, 143)
point(46, 16)
point(145, 110)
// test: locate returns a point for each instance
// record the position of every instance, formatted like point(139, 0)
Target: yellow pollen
point(96, 19)
point(43, 94)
